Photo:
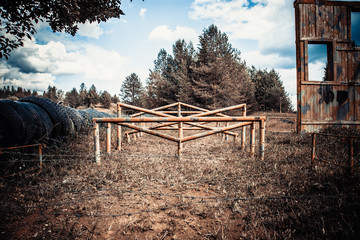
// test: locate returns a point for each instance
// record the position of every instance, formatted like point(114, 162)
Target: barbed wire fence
point(90, 197)
point(151, 191)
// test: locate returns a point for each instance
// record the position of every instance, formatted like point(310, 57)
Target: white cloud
point(91, 30)
point(34, 81)
point(37, 66)
point(316, 71)
point(98, 63)
point(142, 12)
point(260, 60)
point(288, 77)
point(271, 22)
point(163, 32)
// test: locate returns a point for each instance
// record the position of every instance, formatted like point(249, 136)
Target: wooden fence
point(196, 120)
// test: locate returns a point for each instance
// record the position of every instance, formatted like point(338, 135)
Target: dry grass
point(214, 192)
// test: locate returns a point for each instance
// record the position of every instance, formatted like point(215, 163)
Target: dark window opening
point(320, 62)
point(355, 28)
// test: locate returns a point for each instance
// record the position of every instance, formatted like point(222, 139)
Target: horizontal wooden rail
point(197, 122)
point(180, 119)
point(200, 112)
point(218, 130)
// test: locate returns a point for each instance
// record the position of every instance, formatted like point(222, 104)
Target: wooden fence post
point(40, 155)
point(97, 143)
point(226, 135)
point(313, 149)
point(181, 135)
point(108, 137)
point(119, 129)
point(262, 139)
point(181, 132)
point(252, 139)
point(243, 132)
point(351, 155)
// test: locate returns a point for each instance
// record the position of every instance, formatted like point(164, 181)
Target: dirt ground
point(215, 191)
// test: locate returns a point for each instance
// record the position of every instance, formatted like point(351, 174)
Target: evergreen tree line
point(73, 98)
point(213, 76)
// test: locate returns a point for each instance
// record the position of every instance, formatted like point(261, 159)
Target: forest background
point(212, 76)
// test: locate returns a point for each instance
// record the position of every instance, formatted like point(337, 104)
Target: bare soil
point(215, 191)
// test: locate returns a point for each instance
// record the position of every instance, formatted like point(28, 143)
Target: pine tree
point(131, 90)
point(92, 97)
point(184, 60)
point(170, 80)
point(53, 94)
point(83, 93)
point(326, 73)
point(105, 99)
point(34, 93)
point(270, 93)
point(115, 99)
point(73, 98)
point(163, 84)
point(220, 77)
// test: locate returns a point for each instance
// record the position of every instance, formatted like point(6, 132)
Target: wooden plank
point(350, 66)
point(305, 23)
point(336, 23)
point(298, 65)
point(302, 20)
point(306, 61)
point(331, 123)
point(179, 119)
point(312, 20)
point(344, 22)
point(301, 59)
point(326, 25)
point(341, 24)
point(332, 3)
point(344, 66)
point(348, 24)
point(331, 21)
point(356, 90)
point(319, 22)
point(356, 74)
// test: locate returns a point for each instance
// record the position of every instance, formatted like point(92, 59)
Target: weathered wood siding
point(337, 101)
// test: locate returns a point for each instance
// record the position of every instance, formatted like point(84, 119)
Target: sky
point(105, 54)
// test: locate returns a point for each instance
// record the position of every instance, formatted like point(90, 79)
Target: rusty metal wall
point(336, 101)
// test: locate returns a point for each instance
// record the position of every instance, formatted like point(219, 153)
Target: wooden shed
point(334, 100)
